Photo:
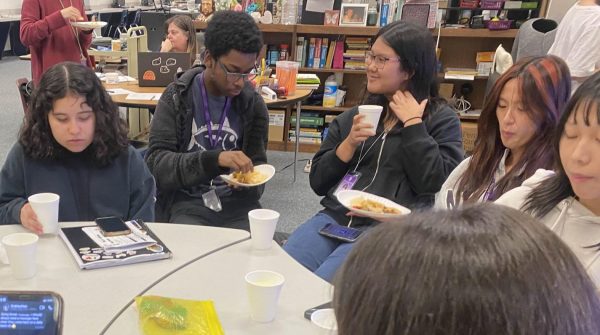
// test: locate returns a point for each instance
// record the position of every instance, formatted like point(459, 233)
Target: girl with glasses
point(406, 158)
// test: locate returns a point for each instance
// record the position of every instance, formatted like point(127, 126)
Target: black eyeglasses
point(232, 77)
point(379, 60)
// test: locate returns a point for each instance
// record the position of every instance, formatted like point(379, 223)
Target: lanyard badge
point(207, 119)
point(211, 199)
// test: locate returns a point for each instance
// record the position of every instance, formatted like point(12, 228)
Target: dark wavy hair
point(229, 30)
point(545, 86)
point(61, 80)
point(483, 269)
point(415, 47)
point(548, 194)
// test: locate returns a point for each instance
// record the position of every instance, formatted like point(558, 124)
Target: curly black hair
point(110, 135)
point(229, 30)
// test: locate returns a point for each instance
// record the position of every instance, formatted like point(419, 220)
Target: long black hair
point(549, 193)
point(110, 135)
point(414, 46)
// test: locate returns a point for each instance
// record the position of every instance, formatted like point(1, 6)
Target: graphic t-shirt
point(230, 137)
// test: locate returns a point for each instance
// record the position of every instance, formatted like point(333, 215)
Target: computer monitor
point(155, 24)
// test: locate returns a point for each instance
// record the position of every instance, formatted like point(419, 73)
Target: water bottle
point(330, 92)
point(289, 10)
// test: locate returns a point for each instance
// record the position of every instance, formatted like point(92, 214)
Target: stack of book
point(307, 81)
point(316, 52)
point(311, 125)
point(460, 73)
point(354, 56)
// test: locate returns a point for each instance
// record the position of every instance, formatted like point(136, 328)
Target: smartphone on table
point(310, 311)
point(113, 226)
point(31, 313)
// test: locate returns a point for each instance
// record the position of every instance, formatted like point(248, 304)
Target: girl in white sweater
point(515, 130)
point(568, 201)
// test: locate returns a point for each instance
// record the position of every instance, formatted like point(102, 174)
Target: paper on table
point(143, 96)
point(135, 240)
point(319, 5)
point(118, 91)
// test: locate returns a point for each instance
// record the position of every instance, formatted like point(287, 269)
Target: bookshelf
point(458, 49)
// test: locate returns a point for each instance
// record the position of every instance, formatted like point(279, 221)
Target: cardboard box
point(469, 134)
point(276, 124)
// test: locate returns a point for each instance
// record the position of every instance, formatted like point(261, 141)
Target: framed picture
point(332, 17)
point(353, 14)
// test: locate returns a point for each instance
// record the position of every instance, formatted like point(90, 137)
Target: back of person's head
point(544, 85)
point(415, 47)
point(230, 30)
point(62, 80)
point(585, 100)
point(485, 269)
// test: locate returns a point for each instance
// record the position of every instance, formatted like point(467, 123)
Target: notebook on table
point(158, 69)
point(92, 250)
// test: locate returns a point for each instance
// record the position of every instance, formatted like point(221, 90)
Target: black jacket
point(414, 163)
point(174, 168)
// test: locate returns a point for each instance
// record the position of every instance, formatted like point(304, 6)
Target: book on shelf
point(330, 52)
point(338, 55)
point(92, 250)
point(299, 50)
point(311, 53)
point(324, 46)
point(307, 140)
point(307, 120)
point(317, 56)
point(310, 134)
point(307, 78)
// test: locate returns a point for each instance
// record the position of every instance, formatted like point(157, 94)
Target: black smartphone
point(309, 311)
point(31, 313)
point(342, 233)
point(112, 226)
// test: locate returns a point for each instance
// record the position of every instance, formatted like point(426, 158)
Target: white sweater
point(452, 181)
point(569, 219)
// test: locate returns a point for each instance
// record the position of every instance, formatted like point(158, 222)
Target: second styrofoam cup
point(325, 320)
point(21, 249)
point(372, 114)
point(263, 289)
point(262, 227)
point(45, 206)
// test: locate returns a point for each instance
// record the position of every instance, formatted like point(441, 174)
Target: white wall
point(558, 8)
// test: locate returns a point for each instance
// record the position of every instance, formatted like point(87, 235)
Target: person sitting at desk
point(406, 158)
point(46, 30)
point(515, 132)
point(210, 121)
point(483, 269)
point(181, 36)
point(74, 143)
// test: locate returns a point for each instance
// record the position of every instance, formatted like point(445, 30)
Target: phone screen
point(32, 313)
point(340, 232)
point(112, 224)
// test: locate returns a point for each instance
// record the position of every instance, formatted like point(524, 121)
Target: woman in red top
point(46, 30)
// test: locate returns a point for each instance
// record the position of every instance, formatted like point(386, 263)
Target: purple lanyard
point(207, 119)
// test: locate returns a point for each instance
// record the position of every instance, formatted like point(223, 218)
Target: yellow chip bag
point(166, 316)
